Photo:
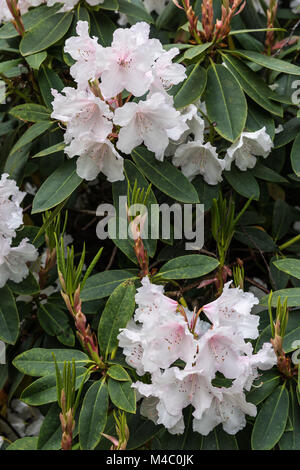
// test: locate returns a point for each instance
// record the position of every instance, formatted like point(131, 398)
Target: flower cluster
point(98, 114)
point(102, 120)
point(186, 357)
point(13, 259)
point(195, 157)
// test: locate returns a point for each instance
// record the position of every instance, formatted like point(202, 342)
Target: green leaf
point(50, 432)
point(165, 176)
point(225, 102)
point(263, 386)
point(252, 84)
point(9, 317)
point(295, 155)
point(292, 295)
point(122, 395)
point(25, 443)
point(191, 89)
point(188, 267)
point(219, 440)
point(36, 60)
point(31, 134)
point(256, 238)
point(46, 33)
point(93, 415)
point(60, 185)
point(289, 265)
point(47, 80)
point(290, 131)
point(103, 284)
point(16, 162)
point(141, 431)
point(135, 10)
point(267, 174)
point(291, 440)
point(243, 182)
point(197, 50)
point(43, 390)
point(31, 112)
point(30, 20)
point(50, 150)
point(102, 27)
point(268, 62)
point(118, 373)
point(118, 311)
point(53, 320)
point(271, 420)
point(39, 362)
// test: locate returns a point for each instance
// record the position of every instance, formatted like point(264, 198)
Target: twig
point(114, 252)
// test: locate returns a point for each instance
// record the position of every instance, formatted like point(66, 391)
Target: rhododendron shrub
point(126, 321)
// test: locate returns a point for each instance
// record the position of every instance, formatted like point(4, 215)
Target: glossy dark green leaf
point(269, 62)
point(188, 267)
point(118, 311)
point(263, 386)
point(93, 415)
point(25, 443)
point(39, 362)
point(225, 102)
point(122, 395)
point(271, 420)
point(9, 317)
point(219, 440)
point(295, 155)
point(117, 372)
point(46, 33)
point(289, 265)
point(103, 284)
point(252, 84)
point(57, 187)
point(31, 134)
point(31, 112)
point(243, 182)
point(191, 89)
point(43, 390)
point(165, 176)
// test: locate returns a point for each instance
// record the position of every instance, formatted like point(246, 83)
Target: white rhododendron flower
point(165, 72)
point(98, 121)
point(11, 214)
point(233, 308)
point(153, 122)
point(196, 158)
point(88, 54)
point(13, 260)
point(249, 146)
point(96, 157)
point(129, 61)
point(163, 332)
point(82, 112)
point(229, 408)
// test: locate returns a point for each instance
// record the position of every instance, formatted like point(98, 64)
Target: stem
point(289, 243)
